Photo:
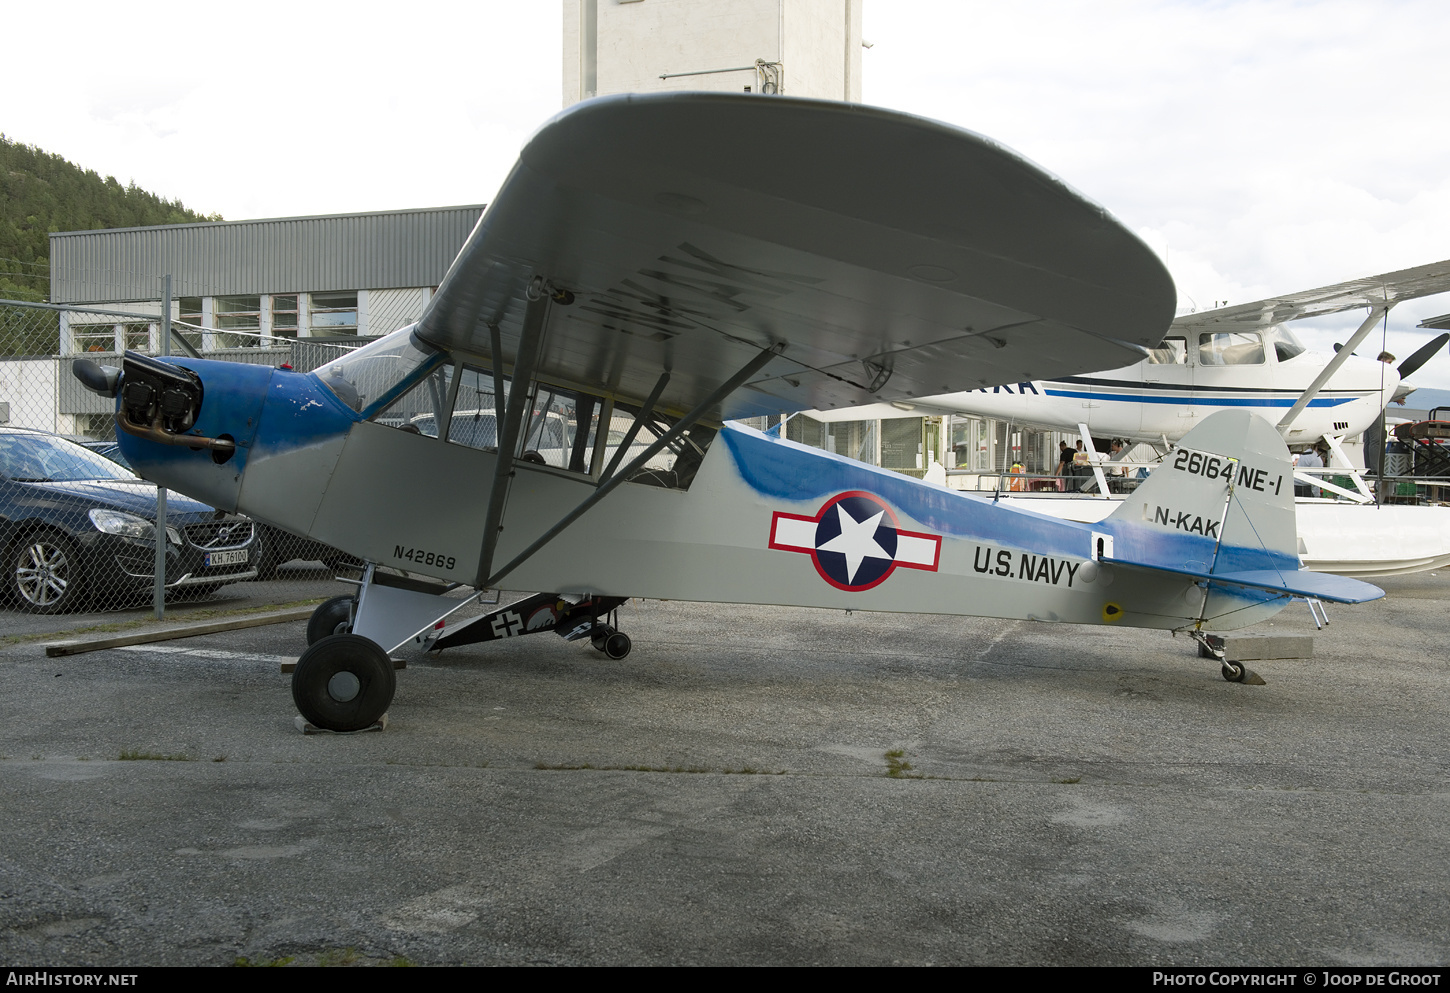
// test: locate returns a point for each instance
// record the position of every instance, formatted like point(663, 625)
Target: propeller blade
point(1423, 355)
point(1337, 346)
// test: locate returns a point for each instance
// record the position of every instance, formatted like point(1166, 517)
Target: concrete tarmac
point(742, 789)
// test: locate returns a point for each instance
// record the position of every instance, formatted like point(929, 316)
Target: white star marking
point(856, 541)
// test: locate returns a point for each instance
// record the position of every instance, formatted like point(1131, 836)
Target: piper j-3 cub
point(557, 417)
point(1231, 358)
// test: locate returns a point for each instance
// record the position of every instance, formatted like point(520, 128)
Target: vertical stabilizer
point(1223, 501)
point(1221, 507)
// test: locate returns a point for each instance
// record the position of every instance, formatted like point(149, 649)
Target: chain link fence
point(77, 526)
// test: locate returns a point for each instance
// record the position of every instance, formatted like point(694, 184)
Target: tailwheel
point(343, 683)
point(331, 617)
point(611, 641)
point(617, 645)
point(1234, 672)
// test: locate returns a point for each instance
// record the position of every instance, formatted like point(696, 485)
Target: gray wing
point(1371, 291)
point(892, 256)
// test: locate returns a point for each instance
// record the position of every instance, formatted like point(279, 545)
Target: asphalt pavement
point(750, 786)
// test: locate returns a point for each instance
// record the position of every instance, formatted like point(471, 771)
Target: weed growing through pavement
point(131, 755)
point(686, 769)
point(898, 768)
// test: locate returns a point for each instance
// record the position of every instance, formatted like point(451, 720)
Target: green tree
point(41, 193)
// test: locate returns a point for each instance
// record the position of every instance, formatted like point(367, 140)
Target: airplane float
point(645, 275)
point(1239, 357)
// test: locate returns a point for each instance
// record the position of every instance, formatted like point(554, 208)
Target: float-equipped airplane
point(1239, 357)
point(557, 417)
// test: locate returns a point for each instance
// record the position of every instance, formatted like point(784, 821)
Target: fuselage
point(762, 521)
point(1170, 393)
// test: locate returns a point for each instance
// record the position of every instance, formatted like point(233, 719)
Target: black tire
point(264, 550)
point(331, 617)
point(46, 574)
point(617, 645)
point(343, 683)
point(1234, 672)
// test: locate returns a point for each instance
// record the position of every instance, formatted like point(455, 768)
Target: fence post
point(159, 582)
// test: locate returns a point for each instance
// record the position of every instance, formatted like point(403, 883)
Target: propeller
point(1422, 355)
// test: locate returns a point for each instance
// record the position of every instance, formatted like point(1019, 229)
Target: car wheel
point(264, 553)
point(46, 574)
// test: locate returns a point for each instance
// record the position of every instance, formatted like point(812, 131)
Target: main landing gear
point(345, 680)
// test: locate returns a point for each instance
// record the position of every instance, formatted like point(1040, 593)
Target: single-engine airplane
point(557, 417)
point(1239, 357)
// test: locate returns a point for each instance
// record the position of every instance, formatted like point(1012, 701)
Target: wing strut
point(486, 581)
point(640, 418)
point(1329, 370)
point(535, 311)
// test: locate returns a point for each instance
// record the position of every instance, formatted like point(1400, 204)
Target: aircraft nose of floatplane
point(197, 426)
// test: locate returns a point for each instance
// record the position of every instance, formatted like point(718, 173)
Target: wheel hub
point(344, 686)
point(42, 581)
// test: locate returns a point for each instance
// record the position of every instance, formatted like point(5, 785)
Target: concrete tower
point(806, 48)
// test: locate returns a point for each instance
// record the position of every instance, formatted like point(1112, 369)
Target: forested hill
point(41, 193)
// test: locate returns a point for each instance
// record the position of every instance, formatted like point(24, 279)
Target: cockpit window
point(1230, 348)
point(420, 409)
point(1286, 346)
point(1173, 351)
point(373, 376)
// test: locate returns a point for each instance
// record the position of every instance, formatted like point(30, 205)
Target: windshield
point(376, 374)
point(39, 458)
point(1286, 346)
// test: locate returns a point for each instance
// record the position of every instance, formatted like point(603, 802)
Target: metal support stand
point(1095, 458)
point(1317, 610)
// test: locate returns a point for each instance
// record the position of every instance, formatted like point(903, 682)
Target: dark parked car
point(76, 527)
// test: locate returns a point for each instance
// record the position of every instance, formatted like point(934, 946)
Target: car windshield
point(376, 374)
point(40, 458)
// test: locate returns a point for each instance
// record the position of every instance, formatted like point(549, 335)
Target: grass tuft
point(898, 768)
point(338, 957)
point(683, 769)
point(132, 755)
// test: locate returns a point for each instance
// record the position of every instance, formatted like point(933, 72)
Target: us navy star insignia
point(855, 541)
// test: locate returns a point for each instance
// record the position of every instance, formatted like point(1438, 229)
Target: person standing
point(1309, 460)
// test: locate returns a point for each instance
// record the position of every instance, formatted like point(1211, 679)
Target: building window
point(138, 337)
point(284, 315)
point(189, 314)
point(333, 313)
point(243, 314)
point(93, 337)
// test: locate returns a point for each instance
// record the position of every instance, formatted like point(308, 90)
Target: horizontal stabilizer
point(1320, 585)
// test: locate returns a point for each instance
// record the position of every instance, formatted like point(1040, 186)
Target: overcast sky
point(1259, 147)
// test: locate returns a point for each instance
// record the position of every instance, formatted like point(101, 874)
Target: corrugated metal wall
point(312, 254)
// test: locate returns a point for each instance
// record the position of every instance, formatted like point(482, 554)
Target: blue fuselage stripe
point(1202, 401)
